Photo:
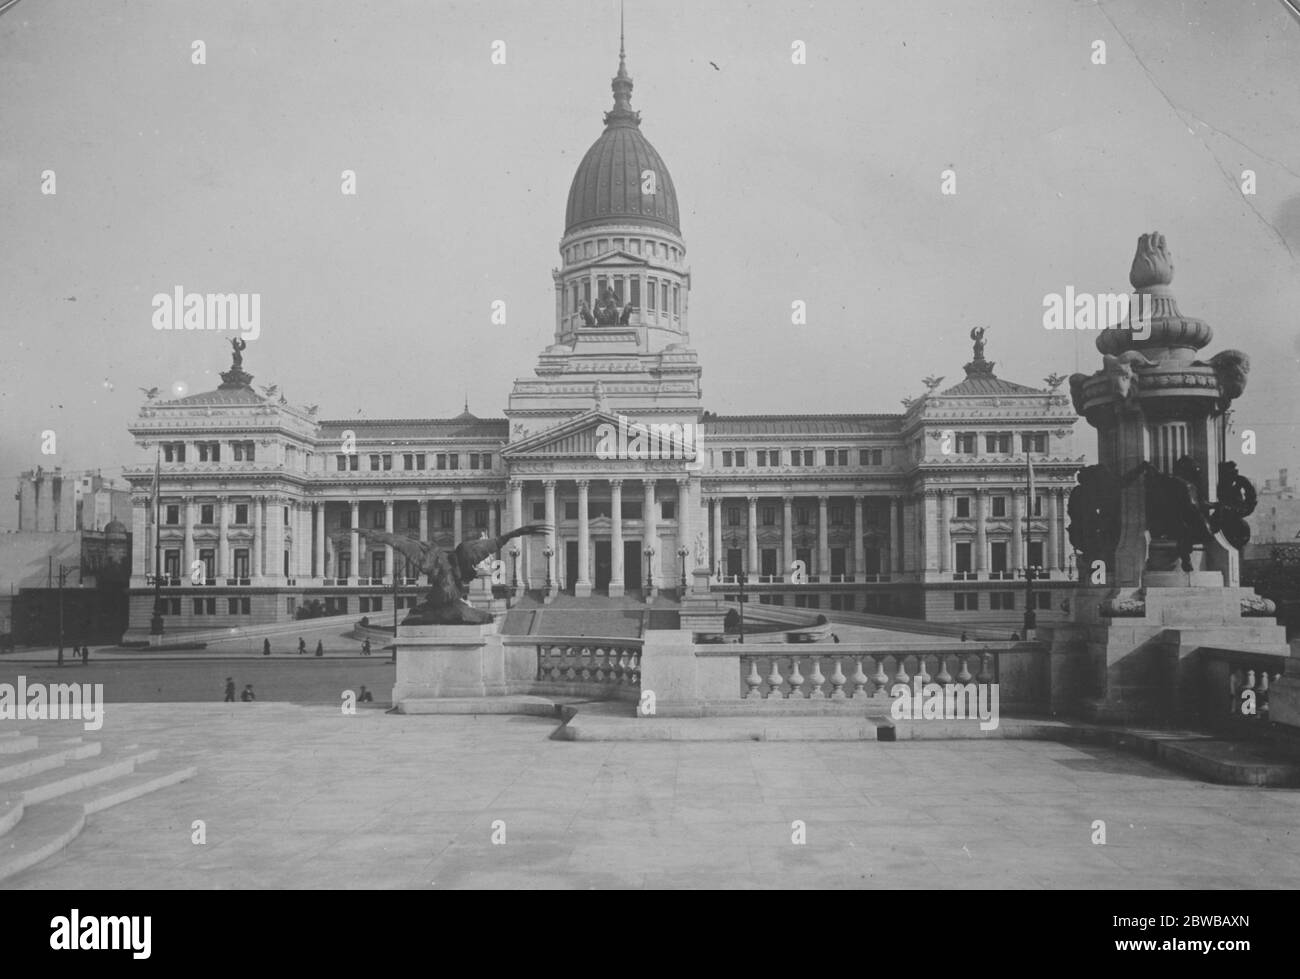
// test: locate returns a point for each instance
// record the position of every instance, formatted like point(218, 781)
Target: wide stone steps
point(46, 792)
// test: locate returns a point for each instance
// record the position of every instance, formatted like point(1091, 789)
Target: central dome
point(607, 187)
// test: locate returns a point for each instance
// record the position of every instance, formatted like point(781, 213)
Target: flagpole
point(1031, 617)
point(156, 621)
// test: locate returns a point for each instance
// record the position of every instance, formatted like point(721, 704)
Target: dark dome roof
point(115, 527)
point(607, 187)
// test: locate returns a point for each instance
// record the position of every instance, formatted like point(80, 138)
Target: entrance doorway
point(633, 563)
point(604, 565)
point(570, 565)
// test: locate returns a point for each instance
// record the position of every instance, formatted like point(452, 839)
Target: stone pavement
point(302, 796)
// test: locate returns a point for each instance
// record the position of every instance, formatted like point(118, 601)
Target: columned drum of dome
point(624, 261)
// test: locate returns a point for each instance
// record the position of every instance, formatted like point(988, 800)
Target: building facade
point(922, 513)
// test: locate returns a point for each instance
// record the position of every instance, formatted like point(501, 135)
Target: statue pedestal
point(700, 611)
point(1140, 664)
point(442, 661)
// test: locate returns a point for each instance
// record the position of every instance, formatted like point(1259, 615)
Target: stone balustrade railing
point(856, 677)
point(610, 662)
point(1235, 684)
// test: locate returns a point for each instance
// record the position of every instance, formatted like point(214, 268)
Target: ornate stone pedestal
point(449, 661)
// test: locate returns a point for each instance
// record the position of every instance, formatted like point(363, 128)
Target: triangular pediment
point(593, 433)
point(618, 259)
point(576, 437)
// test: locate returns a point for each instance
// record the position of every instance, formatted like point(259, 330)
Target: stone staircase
point(49, 786)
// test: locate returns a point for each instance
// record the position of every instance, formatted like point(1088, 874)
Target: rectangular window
point(388, 461)
point(966, 601)
point(1038, 505)
point(663, 296)
point(733, 516)
point(447, 518)
point(651, 290)
point(762, 457)
point(168, 455)
point(486, 460)
point(1036, 554)
point(1002, 601)
point(420, 460)
point(1043, 599)
point(206, 513)
point(963, 506)
point(632, 510)
point(808, 457)
point(635, 299)
point(539, 509)
point(795, 457)
point(963, 561)
point(453, 460)
point(726, 457)
point(342, 462)
point(801, 514)
point(198, 606)
point(241, 563)
point(773, 458)
point(480, 519)
point(408, 460)
point(966, 443)
point(570, 510)
point(413, 519)
point(769, 516)
point(377, 520)
point(241, 513)
point(172, 514)
point(740, 457)
point(830, 457)
point(842, 457)
point(441, 460)
point(837, 516)
point(374, 463)
point(676, 300)
point(998, 557)
point(669, 509)
point(1033, 442)
point(999, 506)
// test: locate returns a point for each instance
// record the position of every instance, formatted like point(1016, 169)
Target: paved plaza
point(298, 795)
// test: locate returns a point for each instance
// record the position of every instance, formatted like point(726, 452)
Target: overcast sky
point(817, 182)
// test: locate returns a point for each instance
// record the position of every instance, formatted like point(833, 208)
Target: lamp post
point(548, 552)
point(514, 554)
point(682, 552)
point(741, 579)
point(649, 576)
point(64, 571)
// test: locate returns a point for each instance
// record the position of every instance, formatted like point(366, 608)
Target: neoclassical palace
point(923, 513)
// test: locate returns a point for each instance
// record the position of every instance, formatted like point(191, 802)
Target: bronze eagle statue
point(449, 573)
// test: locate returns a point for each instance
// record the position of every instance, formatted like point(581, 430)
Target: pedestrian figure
point(963, 636)
point(366, 696)
point(85, 655)
point(266, 647)
point(365, 648)
point(1015, 637)
point(320, 648)
point(230, 690)
point(248, 694)
point(302, 646)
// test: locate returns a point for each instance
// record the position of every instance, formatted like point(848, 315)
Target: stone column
point(1052, 552)
point(751, 531)
point(617, 583)
point(1062, 534)
point(424, 520)
point(981, 538)
point(549, 486)
point(493, 523)
point(389, 565)
point(582, 587)
point(518, 565)
point(319, 570)
point(823, 539)
point(274, 561)
point(684, 525)
point(1017, 532)
point(458, 521)
point(651, 524)
point(859, 552)
point(256, 518)
point(355, 572)
point(895, 539)
point(945, 530)
point(719, 563)
point(223, 542)
point(787, 536)
point(187, 547)
point(139, 536)
point(927, 527)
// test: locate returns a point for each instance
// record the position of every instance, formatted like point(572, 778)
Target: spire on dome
point(622, 114)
